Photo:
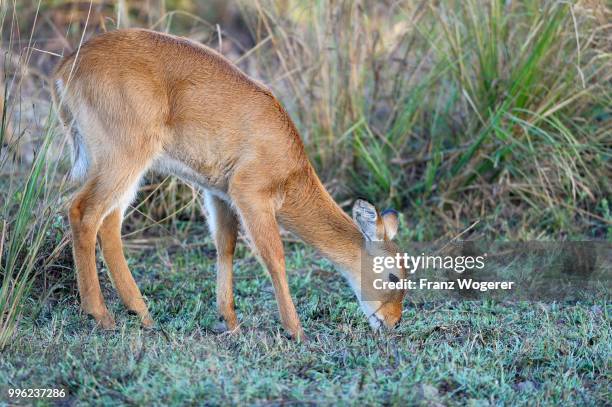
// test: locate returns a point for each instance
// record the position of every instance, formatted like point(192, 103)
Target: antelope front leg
point(260, 223)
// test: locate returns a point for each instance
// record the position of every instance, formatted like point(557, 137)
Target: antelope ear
point(390, 219)
point(366, 217)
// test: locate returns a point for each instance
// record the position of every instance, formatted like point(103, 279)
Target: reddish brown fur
point(143, 99)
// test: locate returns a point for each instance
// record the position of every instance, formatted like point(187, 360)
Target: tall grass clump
point(457, 110)
point(28, 211)
point(31, 188)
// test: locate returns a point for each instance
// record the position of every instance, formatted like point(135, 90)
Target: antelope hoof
point(298, 335)
point(225, 327)
point(100, 314)
point(145, 318)
point(106, 321)
point(147, 322)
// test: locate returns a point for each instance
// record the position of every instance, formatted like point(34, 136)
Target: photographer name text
point(458, 284)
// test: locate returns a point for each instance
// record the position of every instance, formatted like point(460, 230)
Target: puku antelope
point(138, 100)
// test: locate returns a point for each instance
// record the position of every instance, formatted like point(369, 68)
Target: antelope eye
point(393, 278)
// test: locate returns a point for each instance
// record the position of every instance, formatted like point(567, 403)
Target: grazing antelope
point(138, 100)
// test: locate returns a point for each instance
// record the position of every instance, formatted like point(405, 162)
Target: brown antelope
point(134, 100)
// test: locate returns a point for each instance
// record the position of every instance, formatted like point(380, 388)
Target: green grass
point(495, 105)
point(450, 353)
point(454, 112)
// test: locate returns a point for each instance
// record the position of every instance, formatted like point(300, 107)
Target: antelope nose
point(392, 323)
